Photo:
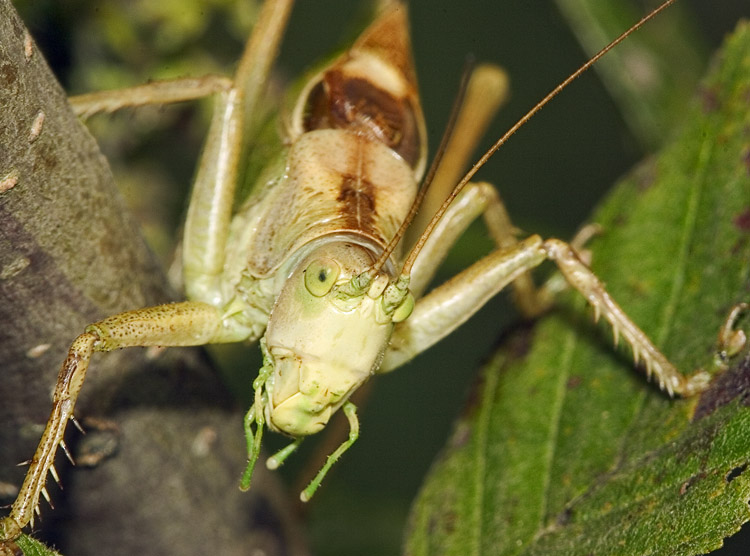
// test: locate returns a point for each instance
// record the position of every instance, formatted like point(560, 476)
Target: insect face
point(325, 337)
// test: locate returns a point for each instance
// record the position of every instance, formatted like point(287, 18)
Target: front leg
point(177, 324)
point(476, 199)
point(209, 214)
point(448, 306)
point(451, 304)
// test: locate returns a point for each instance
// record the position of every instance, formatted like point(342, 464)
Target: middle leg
point(451, 304)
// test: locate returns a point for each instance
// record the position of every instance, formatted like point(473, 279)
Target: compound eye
point(320, 276)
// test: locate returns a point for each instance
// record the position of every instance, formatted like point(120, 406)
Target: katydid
point(314, 265)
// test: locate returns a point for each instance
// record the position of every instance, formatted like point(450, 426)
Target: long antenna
point(409, 262)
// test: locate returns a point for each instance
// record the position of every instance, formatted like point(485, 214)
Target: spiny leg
point(177, 324)
point(530, 299)
point(449, 305)
point(585, 281)
point(69, 381)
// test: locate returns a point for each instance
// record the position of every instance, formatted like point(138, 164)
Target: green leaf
point(32, 547)
point(565, 449)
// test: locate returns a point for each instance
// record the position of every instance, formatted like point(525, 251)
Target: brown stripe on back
point(357, 203)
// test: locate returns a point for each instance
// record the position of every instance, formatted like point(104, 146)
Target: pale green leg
point(177, 324)
point(350, 410)
point(210, 209)
point(449, 305)
point(158, 92)
point(476, 199)
point(276, 460)
point(467, 207)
